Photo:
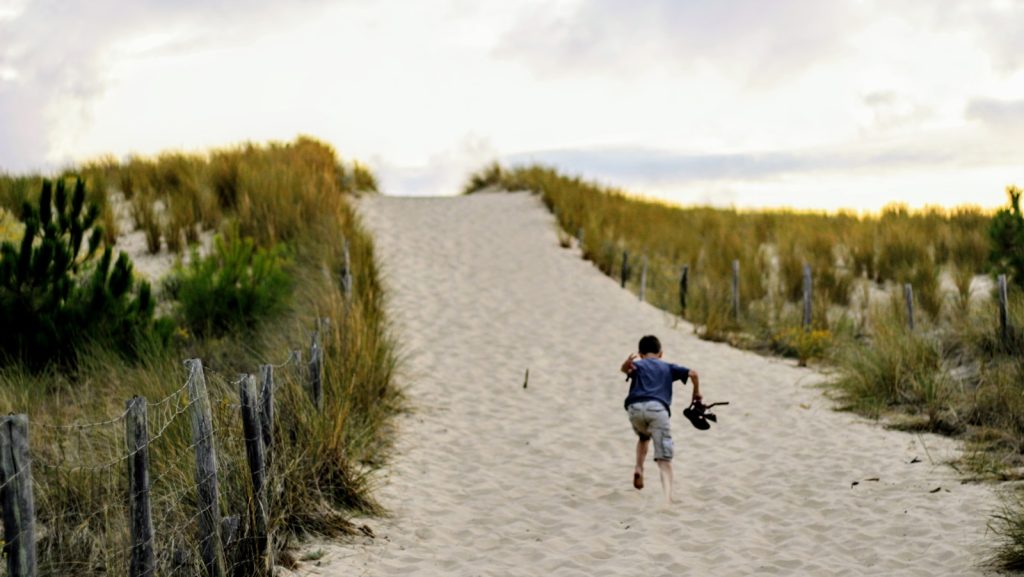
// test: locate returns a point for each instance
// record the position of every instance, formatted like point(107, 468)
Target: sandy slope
point(493, 479)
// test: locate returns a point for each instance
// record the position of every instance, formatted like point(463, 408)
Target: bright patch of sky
point(737, 102)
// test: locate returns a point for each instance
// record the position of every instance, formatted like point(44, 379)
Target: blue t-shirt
point(652, 381)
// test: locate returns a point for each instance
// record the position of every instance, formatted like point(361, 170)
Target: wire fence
point(161, 466)
point(672, 287)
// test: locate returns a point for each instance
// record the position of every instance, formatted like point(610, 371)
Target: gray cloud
point(630, 164)
point(998, 114)
point(758, 40)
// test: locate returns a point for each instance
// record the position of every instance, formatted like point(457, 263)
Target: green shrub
point(1007, 235)
point(235, 286)
point(54, 297)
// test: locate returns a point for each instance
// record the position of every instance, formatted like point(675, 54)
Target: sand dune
point(490, 478)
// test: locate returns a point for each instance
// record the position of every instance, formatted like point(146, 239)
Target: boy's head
point(650, 345)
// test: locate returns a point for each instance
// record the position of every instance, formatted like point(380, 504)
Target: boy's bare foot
point(638, 480)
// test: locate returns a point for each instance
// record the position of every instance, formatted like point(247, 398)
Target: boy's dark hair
point(650, 344)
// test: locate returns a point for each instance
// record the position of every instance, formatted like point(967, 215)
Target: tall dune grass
point(888, 249)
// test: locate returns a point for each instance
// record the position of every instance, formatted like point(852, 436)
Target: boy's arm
point(627, 365)
point(696, 384)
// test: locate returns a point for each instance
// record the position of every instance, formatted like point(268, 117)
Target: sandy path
point(492, 479)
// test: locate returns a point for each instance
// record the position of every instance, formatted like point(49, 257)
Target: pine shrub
point(58, 291)
point(1006, 232)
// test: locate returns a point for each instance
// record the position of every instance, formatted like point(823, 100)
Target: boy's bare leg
point(641, 455)
point(665, 468)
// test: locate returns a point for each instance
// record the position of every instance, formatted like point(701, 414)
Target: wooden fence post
point(315, 373)
point(267, 410)
point(346, 271)
point(736, 290)
point(908, 296)
point(210, 545)
point(643, 280)
point(323, 329)
point(1004, 318)
point(579, 238)
point(16, 497)
point(684, 282)
point(625, 267)
point(808, 290)
point(252, 428)
point(141, 562)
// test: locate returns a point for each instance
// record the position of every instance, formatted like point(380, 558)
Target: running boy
point(648, 404)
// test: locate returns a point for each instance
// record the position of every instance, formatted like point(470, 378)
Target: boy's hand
point(627, 365)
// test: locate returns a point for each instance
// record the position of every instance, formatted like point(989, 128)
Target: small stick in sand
point(526, 379)
point(926, 451)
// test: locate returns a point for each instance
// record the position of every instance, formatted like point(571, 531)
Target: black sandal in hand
point(698, 414)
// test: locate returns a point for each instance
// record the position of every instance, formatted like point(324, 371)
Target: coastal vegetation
point(259, 245)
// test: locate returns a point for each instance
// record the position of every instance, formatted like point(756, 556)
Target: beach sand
point(491, 478)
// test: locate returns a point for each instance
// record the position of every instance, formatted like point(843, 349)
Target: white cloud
point(61, 53)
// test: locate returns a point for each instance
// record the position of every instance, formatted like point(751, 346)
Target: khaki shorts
point(650, 421)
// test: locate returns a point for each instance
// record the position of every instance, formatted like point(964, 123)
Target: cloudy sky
point(846, 103)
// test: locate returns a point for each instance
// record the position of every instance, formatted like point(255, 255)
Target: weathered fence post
point(579, 238)
point(606, 262)
point(346, 271)
point(643, 280)
point(315, 373)
point(908, 296)
point(736, 290)
point(252, 428)
point(1004, 319)
point(808, 290)
point(684, 282)
point(210, 545)
point(16, 497)
point(625, 267)
point(141, 561)
point(267, 410)
point(322, 326)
